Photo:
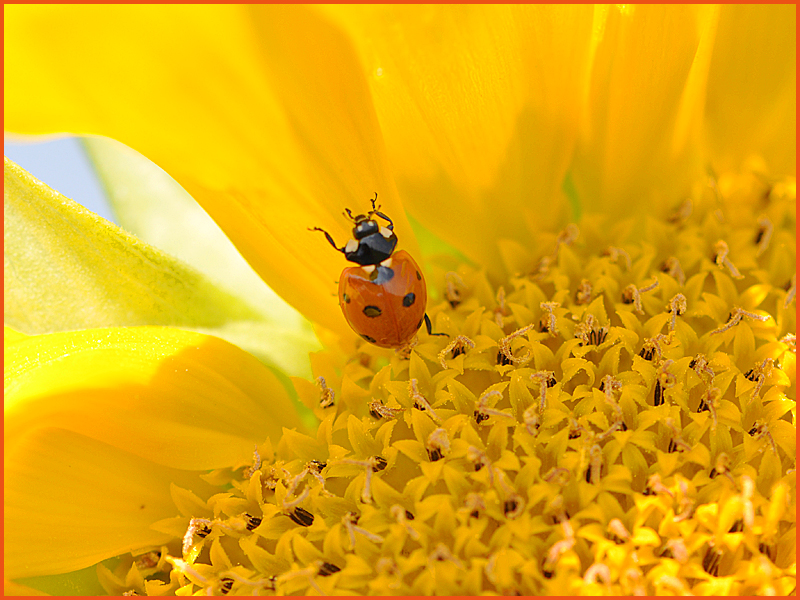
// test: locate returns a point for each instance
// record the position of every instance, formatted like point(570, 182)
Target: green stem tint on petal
point(75, 583)
point(67, 268)
point(150, 204)
point(83, 272)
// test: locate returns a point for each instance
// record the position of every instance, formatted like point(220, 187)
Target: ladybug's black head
point(364, 227)
point(372, 243)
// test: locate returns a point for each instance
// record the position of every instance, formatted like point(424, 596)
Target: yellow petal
point(480, 107)
point(176, 398)
point(67, 268)
point(261, 113)
point(752, 96)
point(637, 143)
point(71, 501)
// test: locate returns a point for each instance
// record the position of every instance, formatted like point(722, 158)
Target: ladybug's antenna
point(375, 211)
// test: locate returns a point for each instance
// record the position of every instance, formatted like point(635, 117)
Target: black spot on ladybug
point(371, 340)
point(408, 299)
point(346, 298)
point(420, 322)
point(372, 311)
point(419, 276)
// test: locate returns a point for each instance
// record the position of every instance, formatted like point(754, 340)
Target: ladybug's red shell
point(386, 309)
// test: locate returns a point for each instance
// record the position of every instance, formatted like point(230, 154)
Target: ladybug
point(384, 298)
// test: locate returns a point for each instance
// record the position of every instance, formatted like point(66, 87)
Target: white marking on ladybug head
point(387, 263)
point(386, 232)
point(368, 268)
point(351, 246)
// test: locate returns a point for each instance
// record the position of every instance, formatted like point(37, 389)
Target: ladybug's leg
point(429, 326)
point(330, 239)
point(383, 216)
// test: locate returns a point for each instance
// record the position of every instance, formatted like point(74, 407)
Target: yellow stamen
point(457, 346)
point(632, 294)
point(721, 248)
point(505, 345)
point(736, 315)
point(672, 267)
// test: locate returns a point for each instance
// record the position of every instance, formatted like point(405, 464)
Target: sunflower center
point(618, 418)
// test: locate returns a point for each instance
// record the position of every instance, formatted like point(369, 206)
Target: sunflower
point(603, 203)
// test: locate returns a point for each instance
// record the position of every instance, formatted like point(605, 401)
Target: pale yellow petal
point(150, 204)
point(176, 398)
point(67, 268)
